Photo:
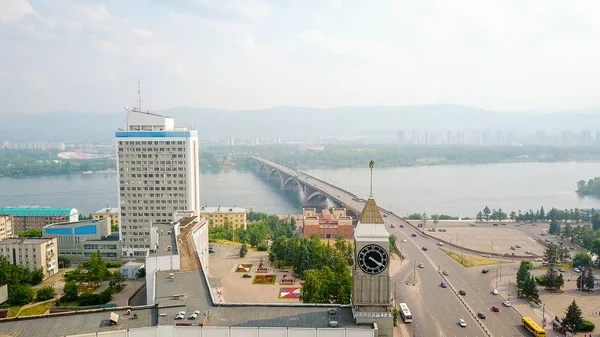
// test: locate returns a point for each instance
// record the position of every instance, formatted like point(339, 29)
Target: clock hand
point(377, 262)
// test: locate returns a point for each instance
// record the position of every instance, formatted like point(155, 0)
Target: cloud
point(143, 32)
point(251, 9)
point(14, 10)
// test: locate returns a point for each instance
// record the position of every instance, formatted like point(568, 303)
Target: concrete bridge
point(315, 192)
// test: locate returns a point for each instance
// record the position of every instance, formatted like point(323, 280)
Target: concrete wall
point(155, 264)
point(216, 331)
point(200, 237)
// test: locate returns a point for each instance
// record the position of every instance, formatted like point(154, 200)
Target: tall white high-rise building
point(159, 173)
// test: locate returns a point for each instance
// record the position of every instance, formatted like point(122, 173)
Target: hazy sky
point(85, 55)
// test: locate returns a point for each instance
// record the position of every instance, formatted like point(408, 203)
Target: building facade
point(32, 253)
point(218, 216)
point(326, 224)
point(29, 217)
point(108, 212)
point(6, 226)
point(79, 240)
point(159, 171)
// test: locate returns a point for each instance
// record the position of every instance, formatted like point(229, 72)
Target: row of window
point(96, 247)
point(149, 149)
point(148, 166)
point(145, 142)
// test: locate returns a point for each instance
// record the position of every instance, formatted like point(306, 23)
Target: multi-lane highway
point(436, 310)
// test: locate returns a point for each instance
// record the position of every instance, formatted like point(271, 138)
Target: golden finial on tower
point(371, 165)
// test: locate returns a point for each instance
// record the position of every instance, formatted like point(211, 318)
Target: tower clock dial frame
point(373, 259)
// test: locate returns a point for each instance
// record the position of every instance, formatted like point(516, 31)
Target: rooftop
point(38, 211)
point(133, 264)
point(24, 241)
point(166, 238)
point(222, 209)
point(74, 223)
point(107, 210)
point(59, 325)
point(370, 214)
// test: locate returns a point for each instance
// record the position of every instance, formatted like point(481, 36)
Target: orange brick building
point(327, 224)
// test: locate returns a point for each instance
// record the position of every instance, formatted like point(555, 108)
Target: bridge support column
point(313, 198)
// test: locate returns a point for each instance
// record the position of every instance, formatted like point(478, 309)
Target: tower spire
point(371, 165)
point(139, 92)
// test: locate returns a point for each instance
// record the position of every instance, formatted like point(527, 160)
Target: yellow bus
point(533, 327)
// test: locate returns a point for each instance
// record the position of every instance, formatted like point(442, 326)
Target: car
point(414, 235)
point(518, 246)
point(577, 270)
point(506, 303)
point(462, 323)
point(247, 276)
point(512, 248)
point(444, 285)
point(401, 226)
point(495, 291)
point(481, 315)
point(403, 240)
point(495, 224)
point(440, 244)
point(485, 271)
point(503, 224)
point(445, 272)
point(495, 308)
point(538, 259)
point(211, 250)
point(462, 292)
point(562, 270)
point(421, 265)
point(385, 216)
point(424, 248)
point(572, 248)
point(393, 226)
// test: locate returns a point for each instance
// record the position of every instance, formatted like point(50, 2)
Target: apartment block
point(79, 240)
point(159, 173)
point(37, 217)
point(327, 224)
point(6, 226)
point(109, 212)
point(32, 253)
point(218, 216)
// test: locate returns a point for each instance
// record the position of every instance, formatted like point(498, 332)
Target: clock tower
point(371, 283)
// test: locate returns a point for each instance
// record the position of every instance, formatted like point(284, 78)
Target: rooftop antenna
point(139, 92)
point(371, 165)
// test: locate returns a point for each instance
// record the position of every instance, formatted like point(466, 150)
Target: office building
point(29, 217)
point(32, 253)
point(400, 137)
point(218, 216)
point(78, 240)
point(326, 224)
point(109, 212)
point(131, 269)
point(158, 167)
point(6, 226)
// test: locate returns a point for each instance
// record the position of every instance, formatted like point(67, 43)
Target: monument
point(371, 283)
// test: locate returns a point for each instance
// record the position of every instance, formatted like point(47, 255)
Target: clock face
point(373, 259)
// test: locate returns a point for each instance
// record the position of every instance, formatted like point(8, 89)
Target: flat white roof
point(222, 209)
point(107, 210)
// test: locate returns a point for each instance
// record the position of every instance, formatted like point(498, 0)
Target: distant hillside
point(300, 122)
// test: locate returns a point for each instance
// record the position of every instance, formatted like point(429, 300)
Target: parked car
point(424, 248)
point(247, 276)
point(495, 308)
point(577, 270)
point(440, 244)
point(421, 265)
point(481, 315)
point(562, 270)
point(414, 235)
point(518, 246)
point(403, 240)
point(393, 226)
point(506, 303)
point(462, 323)
point(211, 250)
point(495, 291)
point(485, 271)
point(444, 285)
point(445, 272)
point(401, 226)
point(462, 292)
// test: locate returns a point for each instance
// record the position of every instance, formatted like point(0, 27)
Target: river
point(456, 190)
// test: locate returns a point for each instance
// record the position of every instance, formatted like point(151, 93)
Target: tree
point(513, 216)
point(479, 216)
point(585, 281)
point(486, 213)
point(554, 226)
point(524, 272)
point(141, 272)
point(541, 214)
point(45, 293)
point(71, 292)
point(582, 260)
point(94, 269)
point(243, 250)
point(596, 221)
point(573, 317)
point(530, 290)
point(63, 262)
point(553, 280)
point(552, 253)
point(116, 281)
point(257, 233)
point(392, 240)
point(19, 294)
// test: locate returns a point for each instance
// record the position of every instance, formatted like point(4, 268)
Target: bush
point(113, 264)
point(88, 298)
point(20, 294)
point(262, 247)
point(45, 293)
point(541, 280)
point(70, 291)
point(243, 250)
point(586, 326)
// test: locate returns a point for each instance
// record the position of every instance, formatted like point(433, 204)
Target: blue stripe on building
point(151, 134)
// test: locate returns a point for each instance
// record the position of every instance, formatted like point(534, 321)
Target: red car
point(495, 309)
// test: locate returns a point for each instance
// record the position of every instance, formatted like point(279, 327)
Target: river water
point(456, 190)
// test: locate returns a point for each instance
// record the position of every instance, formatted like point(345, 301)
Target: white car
point(440, 244)
point(495, 291)
point(421, 265)
point(403, 240)
point(462, 323)
point(506, 303)
point(538, 260)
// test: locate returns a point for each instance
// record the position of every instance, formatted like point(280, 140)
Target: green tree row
point(19, 280)
point(591, 187)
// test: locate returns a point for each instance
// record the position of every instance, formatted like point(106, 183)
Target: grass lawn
point(37, 309)
point(470, 260)
point(13, 311)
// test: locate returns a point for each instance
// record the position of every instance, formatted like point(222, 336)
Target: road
point(430, 302)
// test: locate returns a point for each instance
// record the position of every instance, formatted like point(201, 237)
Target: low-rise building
point(29, 217)
point(131, 269)
point(79, 239)
point(6, 226)
point(218, 216)
point(32, 253)
point(327, 224)
point(108, 212)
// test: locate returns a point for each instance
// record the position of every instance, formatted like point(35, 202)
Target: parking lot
point(496, 240)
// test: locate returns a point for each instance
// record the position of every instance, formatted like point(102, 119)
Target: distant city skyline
point(501, 55)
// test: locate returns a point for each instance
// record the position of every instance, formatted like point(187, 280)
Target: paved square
point(496, 240)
